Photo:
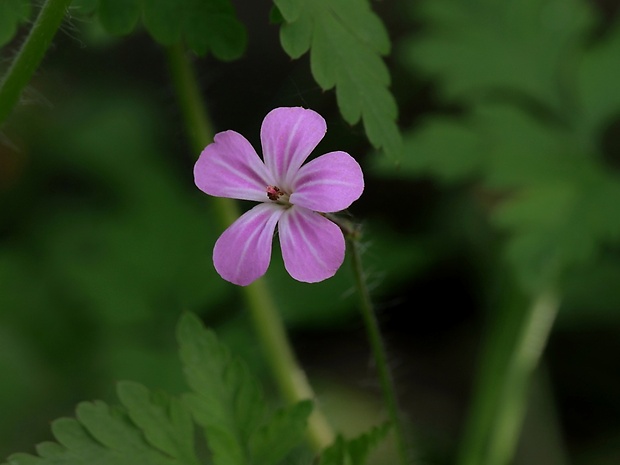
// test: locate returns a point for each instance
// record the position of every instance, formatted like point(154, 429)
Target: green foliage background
point(505, 183)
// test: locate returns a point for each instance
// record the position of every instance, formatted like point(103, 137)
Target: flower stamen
point(274, 193)
point(277, 195)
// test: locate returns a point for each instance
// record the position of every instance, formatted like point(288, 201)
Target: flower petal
point(312, 246)
point(243, 252)
point(230, 167)
point(329, 183)
point(288, 136)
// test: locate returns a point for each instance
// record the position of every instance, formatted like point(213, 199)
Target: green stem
point(513, 352)
point(286, 371)
point(30, 55)
point(513, 401)
point(197, 123)
point(289, 376)
point(541, 430)
point(376, 343)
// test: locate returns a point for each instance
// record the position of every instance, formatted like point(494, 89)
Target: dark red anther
point(274, 192)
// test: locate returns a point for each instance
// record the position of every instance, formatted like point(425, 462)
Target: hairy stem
point(286, 371)
point(376, 343)
point(30, 55)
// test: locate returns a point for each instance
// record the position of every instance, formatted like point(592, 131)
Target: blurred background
point(511, 117)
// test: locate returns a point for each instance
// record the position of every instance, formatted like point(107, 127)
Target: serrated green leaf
point(354, 451)
point(479, 47)
point(589, 299)
point(228, 403)
point(12, 13)
point(598, 82)
point(105, 423)
point(205, 25)
point(563, 208)
point(49, 449)
point(119, 16)
point(275, 15)
point(100, 435)
point(112, 429)
point(346, 41)
point(221, 33)
point(560, 205)
point(360, 447)
point(166, 424)
point(290, 10)
point(501, 143)
point(163, 19)
point(225, 400)
point(248, 402)
point(558, 225)
point(446, 148)
point(270, 444)
point(335, 454)
point(22, 9)
point(23, 459)
point(84, 7)
point(156, 429)
point(518, 150)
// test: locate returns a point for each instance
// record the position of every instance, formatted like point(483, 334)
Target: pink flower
point(291, 197)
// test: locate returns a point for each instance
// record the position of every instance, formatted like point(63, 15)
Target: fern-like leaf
point(354, 451)
point(480, 48)
point(228, 403)
point(101, 435)
point(12, 13)
point(346, 40)
point(203, 25)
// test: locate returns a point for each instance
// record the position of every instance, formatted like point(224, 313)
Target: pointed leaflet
point(482, 46)
point(84, 7)
point(517, 149)
point(336, 453)
point(443, 147)
point(354, 451)
point(203, 25)
point(560, 224)
point(346, 41)
point(12, 12)
point(219, 387)
point(560, 205)
point(165, 422)
point(229, 405)
point(100, 435)
point(598, 82)
point(284, 431)
point(498, 142)
point(119, 16)
point(227, 401)
point(360, 447)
